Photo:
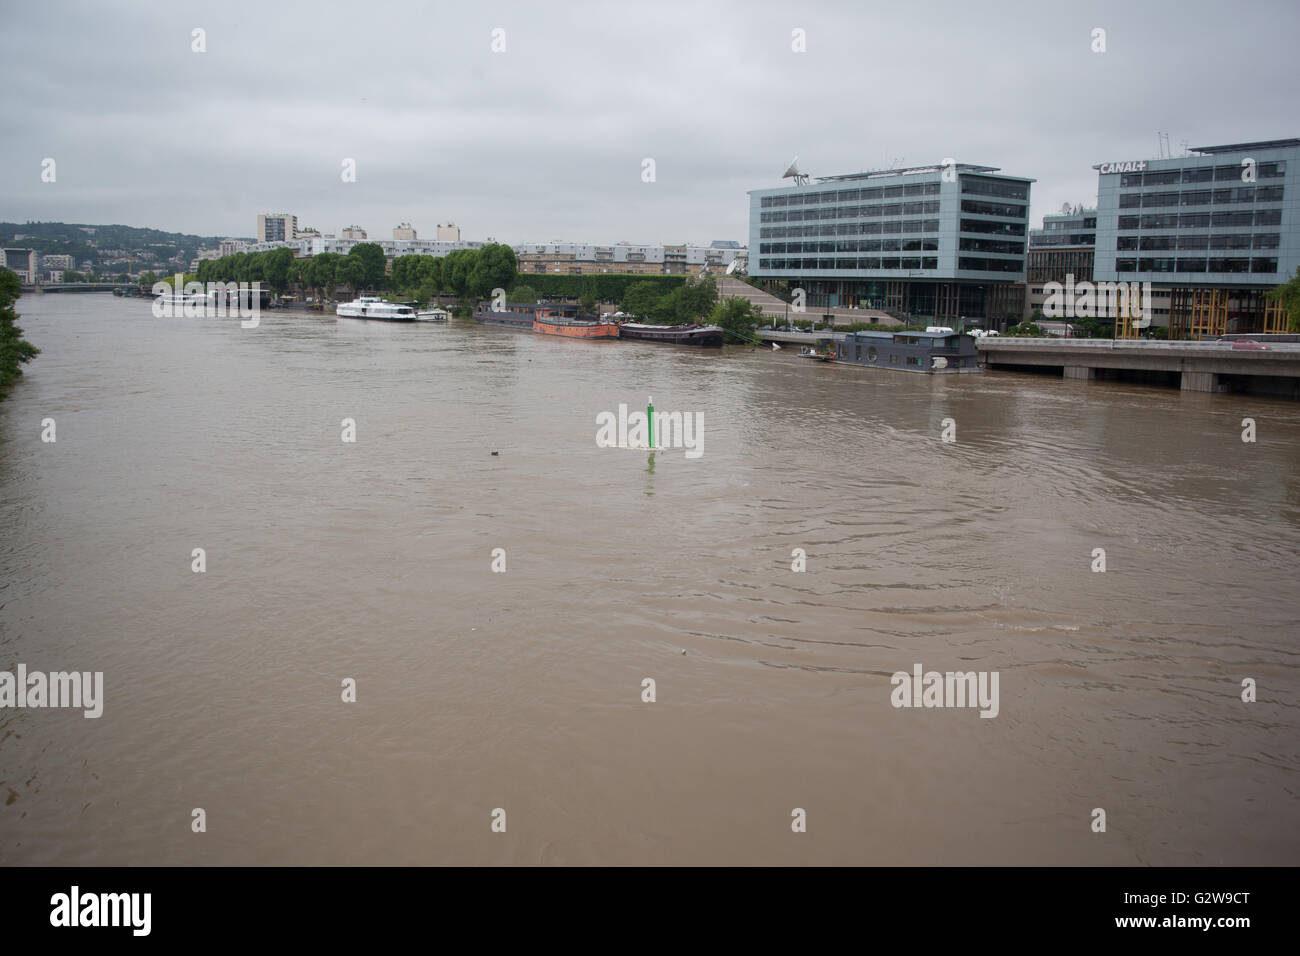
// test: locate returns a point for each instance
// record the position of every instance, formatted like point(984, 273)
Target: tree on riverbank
point(738, 316)
point(1289, 295)
point(14, 350)
point(685, 304)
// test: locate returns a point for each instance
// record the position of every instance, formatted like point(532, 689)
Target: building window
point(1263, 265)
point(985, 187)
point(1151, 200)
point(1229, 265)
point(1238, 241)
point(1160, 221)
point(993, 209)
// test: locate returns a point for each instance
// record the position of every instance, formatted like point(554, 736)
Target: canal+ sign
point(1136, 166)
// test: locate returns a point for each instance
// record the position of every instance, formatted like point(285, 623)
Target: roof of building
point(1242, 147)
point(912, 170)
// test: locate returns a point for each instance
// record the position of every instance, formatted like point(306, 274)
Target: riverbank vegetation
point(1289, 295)
point(15, 351)
point(464, 272)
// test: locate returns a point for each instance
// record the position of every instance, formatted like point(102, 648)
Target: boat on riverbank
point(373, 307)
point(176, 301)
point(551, 322)
point(431, 315)
point(514, 315)
point(826, 355)
point(704, 336)
point(925, 352)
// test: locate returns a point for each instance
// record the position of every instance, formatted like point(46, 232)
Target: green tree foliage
point(14, 349)
point(456, 266)
point(523, 294)
point(641, 298)
point(275, 267)
point(1026, 329)
point(737, 316)
point(352, 272)
point(686, 303)
point(371, 257)
point(1289, 295)
point(492, 267)
point(405, 273)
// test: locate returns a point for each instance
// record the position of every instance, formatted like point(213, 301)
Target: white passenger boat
point(373, 307)
point(172, 303)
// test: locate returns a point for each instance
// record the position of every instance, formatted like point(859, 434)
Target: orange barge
point(553, 323)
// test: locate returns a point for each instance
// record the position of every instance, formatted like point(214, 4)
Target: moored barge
point(552, 322)
point(705, 336)
point(928, 352)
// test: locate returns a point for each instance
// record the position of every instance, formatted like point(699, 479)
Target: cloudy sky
point(546, 139)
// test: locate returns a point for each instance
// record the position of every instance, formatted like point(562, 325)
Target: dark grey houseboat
point(929, 352)
point(519, 315)
point(706, 336)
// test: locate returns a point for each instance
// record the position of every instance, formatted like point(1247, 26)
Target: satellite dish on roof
point(731, 266)
point(792, 172)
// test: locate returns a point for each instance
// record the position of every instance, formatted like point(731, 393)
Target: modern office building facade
point(946, 241)
point(1061, 251)
point(1218, 229)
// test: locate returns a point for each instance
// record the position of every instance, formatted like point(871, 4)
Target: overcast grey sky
point(545, 140)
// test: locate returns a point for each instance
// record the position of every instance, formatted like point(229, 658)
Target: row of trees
point(465, 272)
point(14, 349)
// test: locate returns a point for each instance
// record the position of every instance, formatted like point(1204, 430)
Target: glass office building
point(946, 241)
point(1218, 227)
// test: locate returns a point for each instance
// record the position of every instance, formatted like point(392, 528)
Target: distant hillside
point(113, 248)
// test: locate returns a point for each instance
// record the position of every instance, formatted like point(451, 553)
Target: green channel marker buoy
point(650, 420)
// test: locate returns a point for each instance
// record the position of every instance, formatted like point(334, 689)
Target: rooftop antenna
point(1186, 148)
point(792, 172)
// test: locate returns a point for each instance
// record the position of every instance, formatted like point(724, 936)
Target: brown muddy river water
point(522, 691)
